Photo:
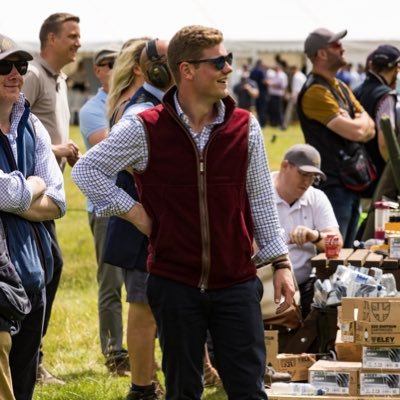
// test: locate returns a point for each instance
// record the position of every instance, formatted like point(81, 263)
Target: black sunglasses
point(109, 64)
point(219, 62)
point(6, 66)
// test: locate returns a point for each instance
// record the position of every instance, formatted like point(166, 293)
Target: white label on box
point(379, 383)
point(381, 357)
point(332, 382)
point(394, 247)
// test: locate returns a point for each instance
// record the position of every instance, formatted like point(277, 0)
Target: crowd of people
point(163, 131)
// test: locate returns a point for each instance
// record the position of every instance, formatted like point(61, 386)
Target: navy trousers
point(25, 349)
point(233, 317)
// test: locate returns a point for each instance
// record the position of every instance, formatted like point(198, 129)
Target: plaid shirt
point(15, 194)
point(127, 147)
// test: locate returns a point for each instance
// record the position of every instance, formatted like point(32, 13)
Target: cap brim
point(315, 170)
point(103, 57)
point(338, 36)
point(22, 54)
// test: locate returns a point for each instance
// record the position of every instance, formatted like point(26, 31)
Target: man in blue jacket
point(31, 191)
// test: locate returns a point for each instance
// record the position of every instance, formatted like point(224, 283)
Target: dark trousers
point(346, 206)
point(306, 296)
point(262, 109)
point(25, 349)
point(233, 317)
point(275, 110)
point(52, 286)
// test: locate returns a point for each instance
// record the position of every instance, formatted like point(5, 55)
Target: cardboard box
point(381, 357)
point(379, 383)
point(347, 351)
point(296, 364)
point(348, 317)
point(371, 321)
point(335, 377)
point(271, 346)
point(383, 335)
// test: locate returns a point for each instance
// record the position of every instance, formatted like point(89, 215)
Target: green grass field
point(72, 350)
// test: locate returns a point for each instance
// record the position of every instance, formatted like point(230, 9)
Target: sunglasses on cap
point(109, 64)
point(6, 66)
point(218, 62)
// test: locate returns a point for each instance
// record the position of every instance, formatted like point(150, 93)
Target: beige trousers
point(6, 389)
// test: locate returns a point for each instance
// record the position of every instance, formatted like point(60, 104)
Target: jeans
point(233, 317)
point(346, 205)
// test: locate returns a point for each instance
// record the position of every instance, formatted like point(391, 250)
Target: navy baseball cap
point(385, 55)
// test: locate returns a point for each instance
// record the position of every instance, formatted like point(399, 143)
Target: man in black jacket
point(378, 96)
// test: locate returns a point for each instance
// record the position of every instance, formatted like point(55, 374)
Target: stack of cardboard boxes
point(374, 325)
point(368, 349)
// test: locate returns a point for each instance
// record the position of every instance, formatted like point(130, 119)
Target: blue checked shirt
point(15, 194)
point(127, 147)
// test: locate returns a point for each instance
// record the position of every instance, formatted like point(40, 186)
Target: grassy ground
point(72, 350)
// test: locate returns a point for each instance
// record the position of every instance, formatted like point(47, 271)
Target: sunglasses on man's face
point(6, 66)
point(218, 62)
point(109, 64)
point(335, 45)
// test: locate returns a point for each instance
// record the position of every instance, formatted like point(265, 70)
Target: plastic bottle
point(302, 389)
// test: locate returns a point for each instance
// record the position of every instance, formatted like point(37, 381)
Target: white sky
point(118, 20)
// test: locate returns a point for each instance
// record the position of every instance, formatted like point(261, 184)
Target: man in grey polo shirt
point(46, 89)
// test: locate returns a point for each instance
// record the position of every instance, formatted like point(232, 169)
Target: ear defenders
point(157, 70)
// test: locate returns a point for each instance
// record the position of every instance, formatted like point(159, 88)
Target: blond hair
point(122, 76)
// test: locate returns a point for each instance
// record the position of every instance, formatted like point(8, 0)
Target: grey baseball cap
point(306, 158)
point(319, 39)
point(104, 54)
point(8, 47)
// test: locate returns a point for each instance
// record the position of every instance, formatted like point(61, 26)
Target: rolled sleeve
point(15, 194)
point(47, 168)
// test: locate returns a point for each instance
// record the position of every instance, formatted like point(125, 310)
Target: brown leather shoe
point(272, 376)
point(117, 363)
point(211, 377)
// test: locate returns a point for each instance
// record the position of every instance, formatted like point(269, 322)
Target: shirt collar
point(50, 71)
point(16, 114)
point(153, 90)
point(185, 119)
point(302, 201)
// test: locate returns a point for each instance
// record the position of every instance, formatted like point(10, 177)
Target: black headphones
point(157, 70)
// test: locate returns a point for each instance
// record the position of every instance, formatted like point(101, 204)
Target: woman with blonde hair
point(125, 246)
point(126, 78)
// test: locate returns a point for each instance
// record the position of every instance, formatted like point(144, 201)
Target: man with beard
point(334, 122)
point(378, 95)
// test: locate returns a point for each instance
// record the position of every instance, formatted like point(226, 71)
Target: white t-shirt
point(312, 210)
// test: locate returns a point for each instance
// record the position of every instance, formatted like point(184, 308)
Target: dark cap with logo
point(319, 39)
point(385, 56)
point(306, 158)
point(8, 47)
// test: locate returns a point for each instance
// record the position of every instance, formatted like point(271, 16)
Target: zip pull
point(202, 289)
point(201, 166)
